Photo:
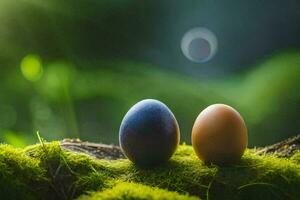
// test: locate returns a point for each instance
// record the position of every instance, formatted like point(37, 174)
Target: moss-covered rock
point(46, 171)
point(135, 191)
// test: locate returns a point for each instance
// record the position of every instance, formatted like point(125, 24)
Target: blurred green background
point(72, 69)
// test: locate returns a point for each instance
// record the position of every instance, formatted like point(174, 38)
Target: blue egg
point(149, 133)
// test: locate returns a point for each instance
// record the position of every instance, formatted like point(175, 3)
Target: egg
point(149, 133)
point(219, 135)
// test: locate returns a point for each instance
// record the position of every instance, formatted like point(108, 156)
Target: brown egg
point(219, 135)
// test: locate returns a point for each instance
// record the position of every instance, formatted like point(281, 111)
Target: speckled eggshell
point(219, 135)
point(149, 133)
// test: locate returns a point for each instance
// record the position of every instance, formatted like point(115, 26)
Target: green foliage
point(70, 98)
point(63, 81)
point(47, 171)
point(17, 140)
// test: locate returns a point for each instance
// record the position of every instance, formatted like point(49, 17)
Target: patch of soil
point(285, 148)
point(100, 151)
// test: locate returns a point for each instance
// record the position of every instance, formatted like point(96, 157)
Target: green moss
point(296, 157)
point(49, 172)
point(20, 175)
point(135, 191)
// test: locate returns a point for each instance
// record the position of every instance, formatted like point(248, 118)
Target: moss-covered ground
point(46, 171)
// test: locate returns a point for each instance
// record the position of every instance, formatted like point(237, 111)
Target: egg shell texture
point(149, 133)
point(219, 135)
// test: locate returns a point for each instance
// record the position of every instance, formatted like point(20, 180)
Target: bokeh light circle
point(31, 67)
point(199, 45)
